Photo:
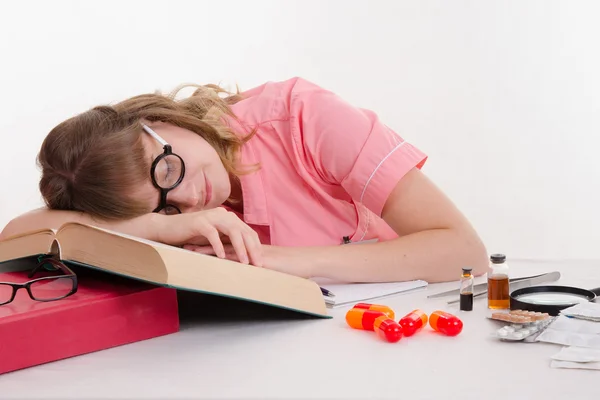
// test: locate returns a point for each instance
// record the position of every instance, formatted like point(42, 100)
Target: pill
point(445, 323)
point(502, 332)
point(509, 328)
point(413, 322)
point(377, 307)
point(388, 329)
point(518, 335)
point(360, 318)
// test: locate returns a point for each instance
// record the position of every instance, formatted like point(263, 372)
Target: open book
point(167, 266)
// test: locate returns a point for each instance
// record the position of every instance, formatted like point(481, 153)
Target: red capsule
point(377, 307)
point(445, 323)
point(359, 318)
point(413, 322)
point(388, 329)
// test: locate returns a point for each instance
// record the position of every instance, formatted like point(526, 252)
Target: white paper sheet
point(572, 332)
point(577, 354)
point(588, 310)
point(575, 365)
point(359, 292)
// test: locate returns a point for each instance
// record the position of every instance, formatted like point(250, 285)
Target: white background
point(503, 96)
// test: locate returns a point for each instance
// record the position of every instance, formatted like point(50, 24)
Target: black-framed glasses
point(167, 172)
point(46, 288)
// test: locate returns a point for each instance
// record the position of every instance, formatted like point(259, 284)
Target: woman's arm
point(208, 227)
point(44, 218)
point(435, 242)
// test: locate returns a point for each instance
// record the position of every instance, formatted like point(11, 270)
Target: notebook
point(106, 311)
point(350, 293)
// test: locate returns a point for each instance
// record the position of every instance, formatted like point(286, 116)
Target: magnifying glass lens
point(552, 298)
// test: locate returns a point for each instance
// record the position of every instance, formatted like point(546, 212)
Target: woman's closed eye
point(161, 172)
point(167, 172)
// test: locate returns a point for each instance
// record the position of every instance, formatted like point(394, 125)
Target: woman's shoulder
point(273, 100)
point(281, 88)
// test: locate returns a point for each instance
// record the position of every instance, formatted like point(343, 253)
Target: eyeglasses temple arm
point(56, 263)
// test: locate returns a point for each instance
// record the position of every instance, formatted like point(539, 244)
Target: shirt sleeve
point(349, 146)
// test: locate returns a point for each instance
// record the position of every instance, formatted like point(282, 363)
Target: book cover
point(106, 311)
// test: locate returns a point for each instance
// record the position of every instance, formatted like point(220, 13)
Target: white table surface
point(237, 350)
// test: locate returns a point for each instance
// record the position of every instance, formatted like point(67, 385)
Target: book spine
point(91, 327)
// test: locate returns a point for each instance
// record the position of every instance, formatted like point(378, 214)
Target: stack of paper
point(345, 293)
point(572, 332)
point(577, 357)
point(578, 328)
point(587, 310)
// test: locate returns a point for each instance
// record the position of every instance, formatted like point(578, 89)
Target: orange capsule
point(445, 323)
point(377, 307)
point(359, 318)
point(413, 322)
point(387, 329)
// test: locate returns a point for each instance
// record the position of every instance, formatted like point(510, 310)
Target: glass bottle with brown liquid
point(498, 284)
point(466, 290)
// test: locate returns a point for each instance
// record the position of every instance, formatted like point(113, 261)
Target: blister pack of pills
point(520, 316)
point(523, 324)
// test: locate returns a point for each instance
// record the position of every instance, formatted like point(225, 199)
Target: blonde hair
point(91, 162)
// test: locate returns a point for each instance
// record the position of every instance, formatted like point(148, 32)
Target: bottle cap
point(498, 258)
point(467, 270)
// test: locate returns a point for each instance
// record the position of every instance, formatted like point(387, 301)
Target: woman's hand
point(211, 227)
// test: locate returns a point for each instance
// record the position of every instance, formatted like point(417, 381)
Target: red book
point(106, 311)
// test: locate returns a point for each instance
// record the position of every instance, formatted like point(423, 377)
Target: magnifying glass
point(550, 299)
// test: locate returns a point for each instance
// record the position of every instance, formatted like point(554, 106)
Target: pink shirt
point(327, 168)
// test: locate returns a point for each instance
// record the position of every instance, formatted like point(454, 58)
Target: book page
point(187, 270)
point(142, 240)
point(27, 244)
point(44, 231)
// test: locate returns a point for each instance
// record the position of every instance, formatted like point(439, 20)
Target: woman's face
point(206, 182)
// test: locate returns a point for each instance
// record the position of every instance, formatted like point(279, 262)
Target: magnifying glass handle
point(596, 291)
